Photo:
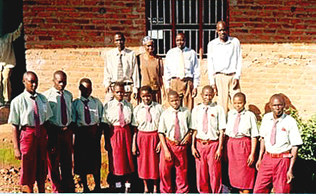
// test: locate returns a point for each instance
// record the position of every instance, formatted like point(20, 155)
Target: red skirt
point(120, 156)
point(87, 153)
point(240, 174)
point(148, 159)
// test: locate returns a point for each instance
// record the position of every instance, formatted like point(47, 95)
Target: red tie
point(148, 114)
point(121, 115)
point(87, 112)
point(63, 108)
point(205, 121)
point(273, 133)
point(177, 133)
point(236, 124)
point(36, 118)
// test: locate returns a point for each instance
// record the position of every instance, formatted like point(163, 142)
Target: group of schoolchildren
point(44, 124)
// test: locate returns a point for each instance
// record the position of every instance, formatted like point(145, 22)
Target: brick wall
point(277, 37)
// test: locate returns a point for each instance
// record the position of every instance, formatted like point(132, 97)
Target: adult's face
point(119, 41)
point(277, 106)
point(222, 31)
point(180, 41)
point(60, 82)
point(149, 47)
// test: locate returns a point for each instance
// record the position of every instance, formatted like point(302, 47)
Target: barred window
point(196, 18)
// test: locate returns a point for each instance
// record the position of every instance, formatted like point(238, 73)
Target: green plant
point(308, 133)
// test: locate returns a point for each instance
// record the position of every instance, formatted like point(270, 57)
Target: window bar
point(171, 38)
point(190, 11)
point(190, 39)
point(184, 12)
point(221, 9)
point(151, 16)
point(176, 11)
point(197, 10)
point(164, 4)
point(171, 12)
point(157, 12)
point(164, 43)
point(200, 26)
point(197, 47)
point(209, 8)
point(157, 41)
point(173, 23)
point(216, 11)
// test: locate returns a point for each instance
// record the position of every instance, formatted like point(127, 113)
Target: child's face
point(146, 97)
point(238, 103)
point(118, 92)
point(277, 106)
point(85, 89)
point(207, 96)
point(174, 101)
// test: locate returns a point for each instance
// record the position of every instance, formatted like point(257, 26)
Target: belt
point(183, 79)
point(204, 142)
point(60, 128)
point(227, 74)
point(177, 143)
point(280, 155)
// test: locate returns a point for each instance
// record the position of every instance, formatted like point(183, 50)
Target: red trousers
point(272, 173)
point(240, 174)
point(148, 159)
point(33, 153)
point(120, 156)
point(208, 170)
point(60, 162)
point(180, 163)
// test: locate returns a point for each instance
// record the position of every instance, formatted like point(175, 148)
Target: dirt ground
point(10, 168)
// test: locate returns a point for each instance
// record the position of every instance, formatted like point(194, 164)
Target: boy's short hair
point(207, 87)
point(146, 88)
point(59, 72)
point(240, 95)
point(119, 83)
point(85, 80)
point(172, 93)
point(278, 96)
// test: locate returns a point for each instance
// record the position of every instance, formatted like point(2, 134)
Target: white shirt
point(54, 98)
point(224, 57)
point(111, 112)
point(130, 68)
point(167, 122)
point(216, 121)
point(95, 111)
point(191, 65)
point(287, 133)
point(247, 125)
point(22, 109)
point(139, 117)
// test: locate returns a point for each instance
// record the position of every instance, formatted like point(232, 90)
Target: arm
point(107, 73)
point(196, 73)
point(195, 153)
point(218, 154)
point(251, 158)
point(239, 60)
point(294, 153)
point(16, 142)
point(167, 71)
point(262, 150)
point(135, 76)
point(166, 151)
point(134, 144)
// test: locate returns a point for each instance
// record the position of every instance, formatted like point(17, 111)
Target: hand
point(195, 153)
point(17, 154)
point(167, 155)
point(218, 155)
point(194, 93)
point(235, 83)
point(250, 160)
point(134, 149)
point(257, 166)
point(290, 176)
point(158, 147)
point(214, 87)
point(186, 139)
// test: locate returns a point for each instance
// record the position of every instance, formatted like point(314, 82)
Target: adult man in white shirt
point(120, 65)
point(182, 71)
point(224, 65)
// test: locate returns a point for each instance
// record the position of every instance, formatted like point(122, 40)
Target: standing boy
point(241, 147)
point(182, 71)
point(118, 115)
point(280, 139)
point(28, 113)
point(174, 135)
point(146, 117)
point(208, 124)
point(87, 114)
point(60, 135)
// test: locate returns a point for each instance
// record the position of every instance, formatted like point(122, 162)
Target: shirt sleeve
point(210, 64)
point(107, 75)
point(294, 133)
point(222, 118)
point(254, 127)
point(104, 115)
point(100, 109)
point(135, 75)
point(193, 119)
point(239, 60)
point(189, 120)
point(162, 126)
point(196, 71)
point(262, 127)
point(167, 71)
point(14, 116)
point(134, 117)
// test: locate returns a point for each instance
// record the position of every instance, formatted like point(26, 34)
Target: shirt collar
point(227, 42)
point(279, 119)
point(27, 94)
point(85, 99)
point(143, 105)
point(242, 112)
point(116, 101)
point(122, 52)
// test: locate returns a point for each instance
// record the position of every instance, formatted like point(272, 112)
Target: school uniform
point(87, 115)
point(146, 119)
point(61, 137)
point(241, 127)
point(275, 163)
point(168, 122)
point(33, 139)
point(208, 120)
point(120, 156)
